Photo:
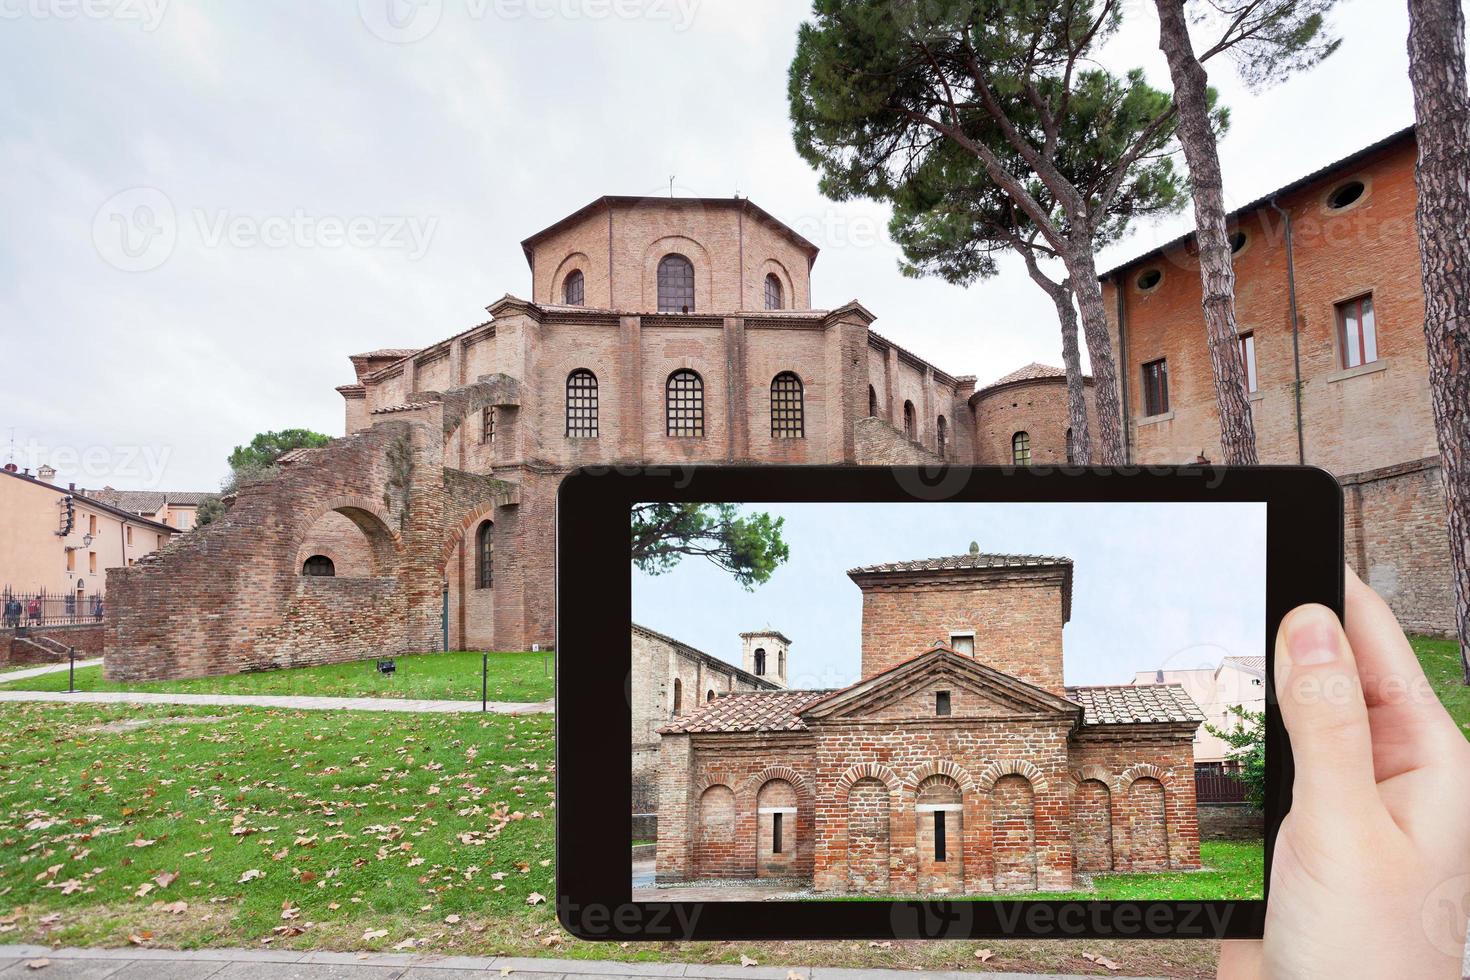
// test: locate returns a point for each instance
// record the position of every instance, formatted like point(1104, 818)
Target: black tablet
point(827, 702)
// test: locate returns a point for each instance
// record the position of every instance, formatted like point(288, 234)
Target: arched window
point(685, 404)
point(780, 663)
point(940, 434)
point(760, 661)
point(773, 292)
point(709, 695)
point(786, 407)
point(678, 696)
point(910, 428)
point(574, 288)
point(319, 565)
point(1071, 450)
point(581, 404)
point(484, 557)
point(675, 284)
point(487, 425)
point(872, 401)
point(1021, 449)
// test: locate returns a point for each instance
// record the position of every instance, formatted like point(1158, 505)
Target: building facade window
point(675, 284)
point(776, 832)
point(786, 407)
point(485, 556)
point(678, 696)
point(709, 695)
point(319, 566)
point(940, 434)
point(487, 425)
point(1357, 331)
point(941, 703)
point(685, 404)
point(581, 404)
point(574, 289)
point(760, 661)
point(773, 292)
point(1248, 358)
point(1156, 387)
point(872, 401)
point(1021, 449)
point(1071, 450)
point(941, 846)
point(910, 423)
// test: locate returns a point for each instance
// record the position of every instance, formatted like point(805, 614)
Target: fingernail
point(1312, 638)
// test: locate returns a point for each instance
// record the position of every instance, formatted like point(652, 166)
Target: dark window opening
point(685, 404)
point(1156, 387)
point(1345, 194)
point(939, 841)
point(786, 407)
point(582, 404)
point(1237, 242)
point(941, 434)
point(910, 426)
point(487, 425)
point(1071, 450)
point(941, 702)
point(678, 696)
point(573, 291)
point(709, 695)
point(872, 401)
point(319, 565)
point(484, 556)
point(675, 284)
point(773, 292)
point(776, 832)
point(760, 661)
point(1149, 278)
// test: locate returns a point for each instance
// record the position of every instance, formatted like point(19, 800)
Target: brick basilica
point(957, 764)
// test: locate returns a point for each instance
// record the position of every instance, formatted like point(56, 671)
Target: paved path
point(283, 701)
point(248, 964)
point(20, 675)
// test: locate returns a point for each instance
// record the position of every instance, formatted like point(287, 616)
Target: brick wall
point(1154, 825)
point(85, 639)
point(1230, 821)
point(880, 444)
point(1038, 408)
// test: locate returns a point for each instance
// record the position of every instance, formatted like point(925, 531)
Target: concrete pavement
point(297, 702)
point(29, 672)
point(248, 964)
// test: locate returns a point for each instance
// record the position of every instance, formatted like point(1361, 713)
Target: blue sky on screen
point(1155, 585)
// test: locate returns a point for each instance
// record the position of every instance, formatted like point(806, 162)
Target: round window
point(1345, 194)
point(1149, 278)
point(1237, 242)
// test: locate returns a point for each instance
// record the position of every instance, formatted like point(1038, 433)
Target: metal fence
point(28, 609)
point(1212, 787)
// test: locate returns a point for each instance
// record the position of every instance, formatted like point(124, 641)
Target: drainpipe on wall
point(1296, 346)
point(1123, 368)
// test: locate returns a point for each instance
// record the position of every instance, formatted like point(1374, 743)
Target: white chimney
point(46, 473)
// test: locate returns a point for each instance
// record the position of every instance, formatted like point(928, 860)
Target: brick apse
point(681, 330)
point(957, 764)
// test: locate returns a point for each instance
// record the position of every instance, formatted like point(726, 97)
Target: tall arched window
point(1071, 451)
point(910, 428)
point(675, 284)
point(1021, 449)
point(319, 565)
point(773, 292)
point(678, 696)
point(786, 407)
point(709, 695)
point(574, 288)
point(685, 404)
point(485, 557)
point(581, 404)
point(940, 430)
point(872, 401)
point(760, 661)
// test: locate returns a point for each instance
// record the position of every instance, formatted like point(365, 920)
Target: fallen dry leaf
point(983, 955)
point(176, 908)
point(39, 964)
point(251, 875)
point(535, 898)
point(747, 961)
point(166, 878)
point(372, 934)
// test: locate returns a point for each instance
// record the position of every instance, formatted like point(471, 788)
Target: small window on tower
point(941, 702)
point(939, 841)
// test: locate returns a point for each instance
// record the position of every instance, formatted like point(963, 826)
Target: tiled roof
point(145, 501)
point(1034, 371)
point(406, 407)
point(389, 352)
point(1128, 704)
point(1251, 665)
point(295, 455)
point(972, 560)
point(747, 711)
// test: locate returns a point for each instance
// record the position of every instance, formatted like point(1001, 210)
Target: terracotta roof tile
point(972, 560)
point(1035, 371)
point(1128, 704)
point(1251, 665)
point(747, 711)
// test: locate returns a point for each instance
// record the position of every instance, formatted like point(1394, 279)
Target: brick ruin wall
point(880, 444)
point(85, 639)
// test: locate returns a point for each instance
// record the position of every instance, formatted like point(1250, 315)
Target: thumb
point(1324, 712)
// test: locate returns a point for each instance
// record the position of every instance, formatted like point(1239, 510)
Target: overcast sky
point(209, 206)
point(1171, 586)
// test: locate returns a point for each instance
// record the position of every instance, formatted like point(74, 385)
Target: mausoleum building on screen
point(958, 764)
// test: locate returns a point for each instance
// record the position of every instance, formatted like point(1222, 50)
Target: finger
point(1240, 959)
point(1323, 709)
point(1392, 675)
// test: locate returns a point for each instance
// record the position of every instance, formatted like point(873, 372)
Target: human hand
point(1371, 874)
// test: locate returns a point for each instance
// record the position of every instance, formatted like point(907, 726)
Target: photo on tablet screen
point(949, 700)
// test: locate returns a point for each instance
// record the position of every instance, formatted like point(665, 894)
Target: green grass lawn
point(1232, 869)
point(446, 676)
point(1441, 662)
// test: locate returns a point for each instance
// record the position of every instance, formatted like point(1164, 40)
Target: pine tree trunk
point(1217, 276)
point(1442, 113)
point(1080, 445)
point(1082, 272)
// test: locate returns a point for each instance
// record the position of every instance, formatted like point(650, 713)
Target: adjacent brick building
point(957, 764)
point(1330, 311)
